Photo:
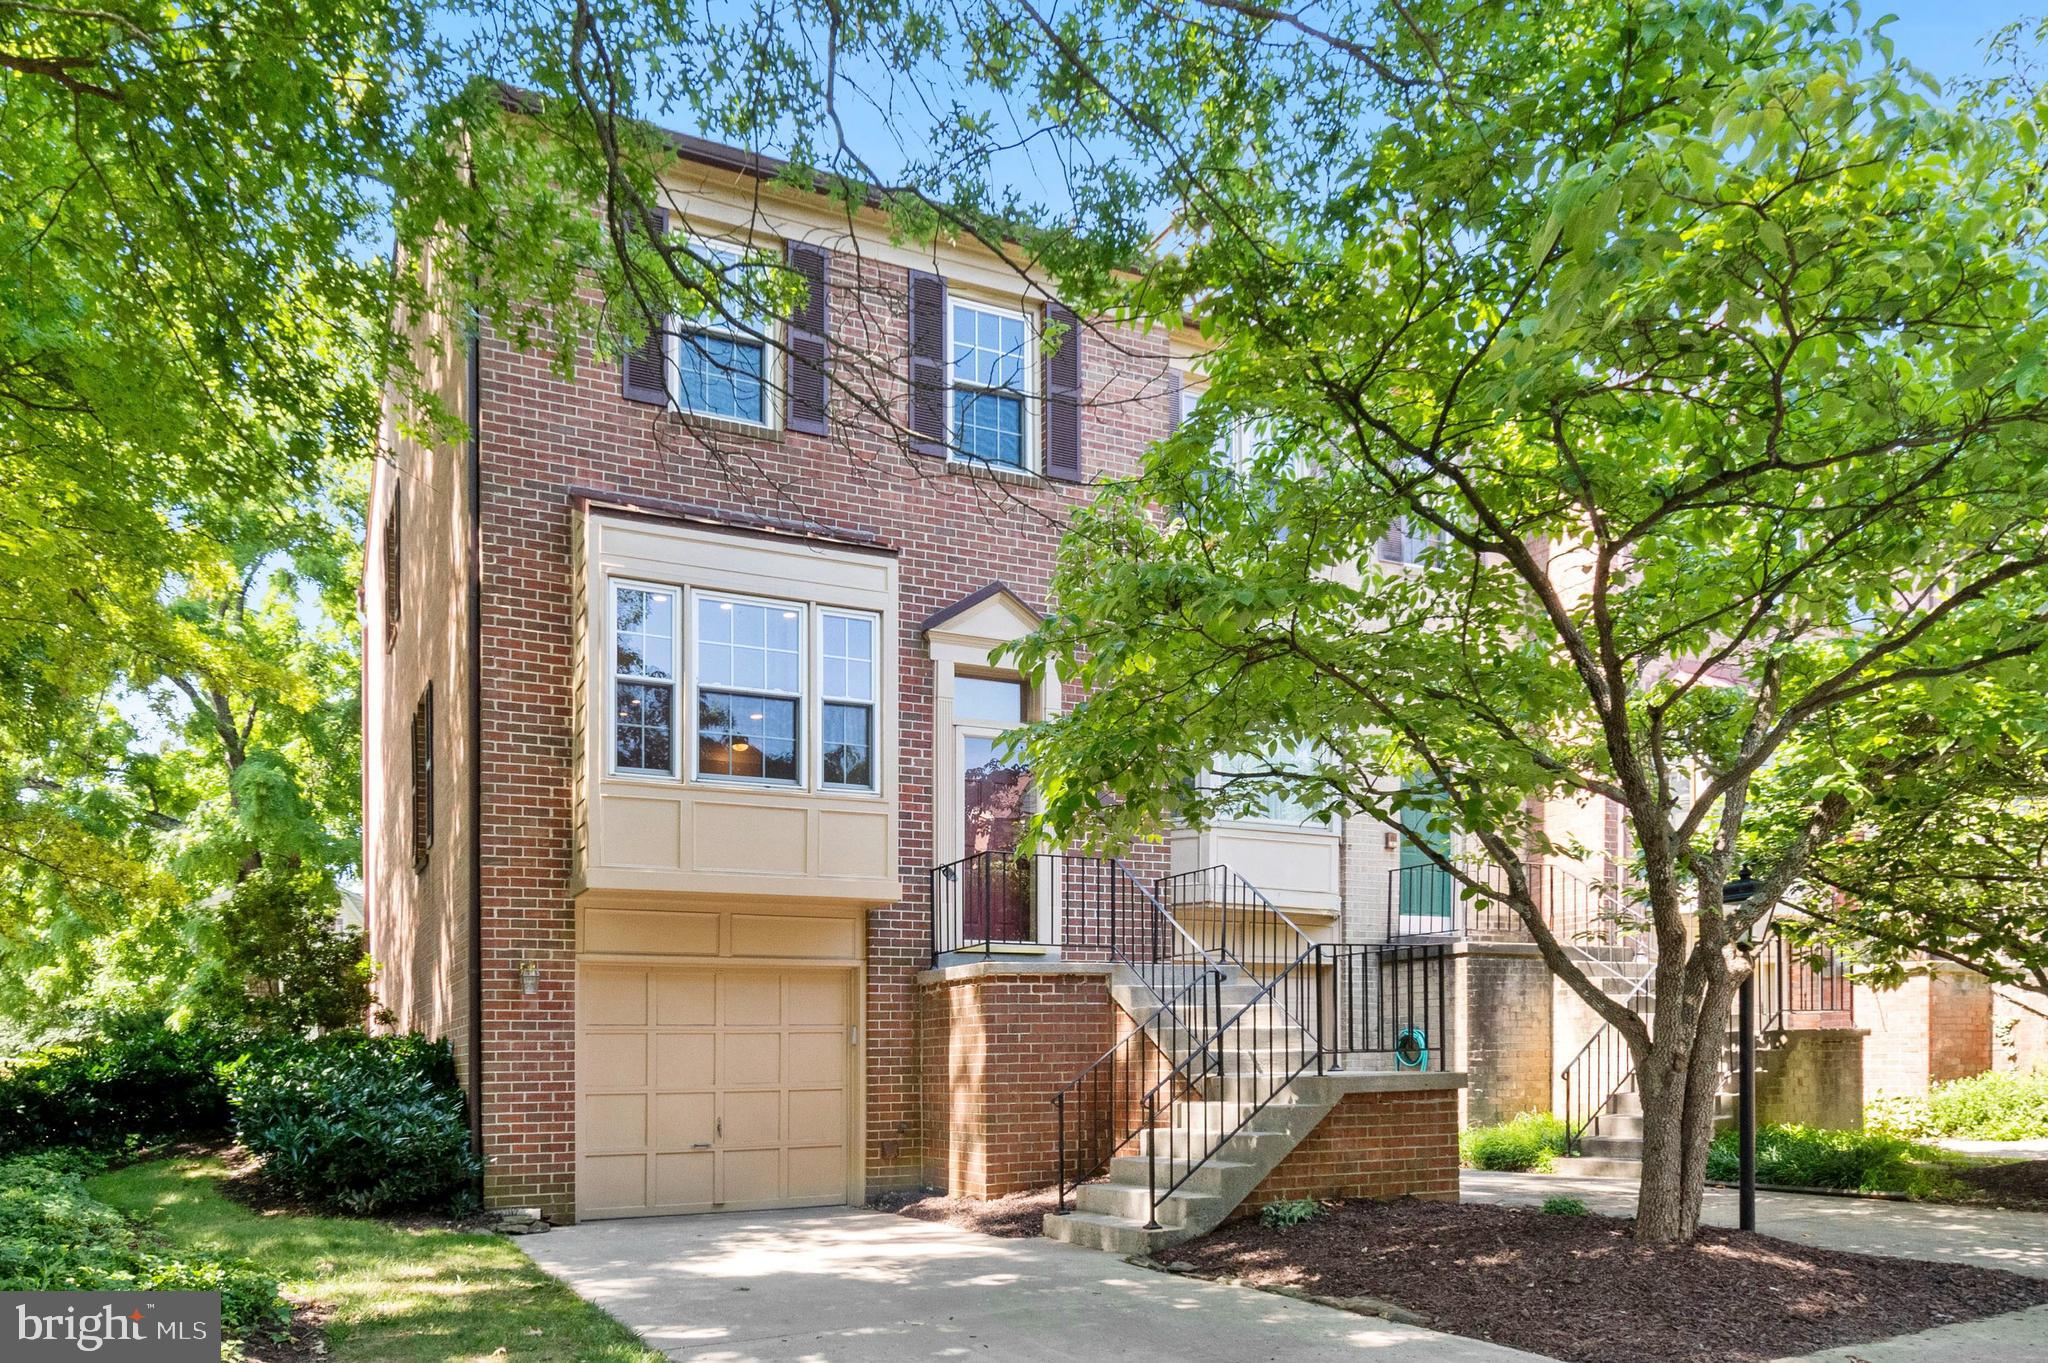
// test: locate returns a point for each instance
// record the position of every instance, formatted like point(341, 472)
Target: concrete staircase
point(1260, 1051)
point(1613, 1144)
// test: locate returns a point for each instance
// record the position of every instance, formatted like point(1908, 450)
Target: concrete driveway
point(847, 1286)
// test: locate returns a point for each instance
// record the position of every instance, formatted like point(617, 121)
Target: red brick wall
point(995, 1049)
point(955, 530)
point(1398, 1144)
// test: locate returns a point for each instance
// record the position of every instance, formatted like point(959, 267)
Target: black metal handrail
point(1427, 902)
point(1243, 927)
point(1602, 1068)
point(1090, 907)
point(1328, 1002)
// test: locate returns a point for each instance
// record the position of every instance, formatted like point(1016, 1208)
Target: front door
point(1427, 893)
point(995, 802)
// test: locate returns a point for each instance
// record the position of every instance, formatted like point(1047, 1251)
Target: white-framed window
point(749, 689)
point(1407, 539)
point(644, 655)
point(1274, 806)
point(848, 685)
point(723, 367)
point(994, 380)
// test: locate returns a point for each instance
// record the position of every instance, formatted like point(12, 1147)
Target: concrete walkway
point(847, 1286)
point(2015, 1241)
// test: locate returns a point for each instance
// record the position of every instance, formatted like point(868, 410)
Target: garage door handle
point(701, 1145)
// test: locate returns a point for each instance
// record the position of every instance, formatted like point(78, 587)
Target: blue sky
point(1945, 36)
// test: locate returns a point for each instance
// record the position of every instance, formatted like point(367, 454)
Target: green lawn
point(397, 1296)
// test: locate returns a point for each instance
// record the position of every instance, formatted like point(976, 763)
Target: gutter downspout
point(476, 750)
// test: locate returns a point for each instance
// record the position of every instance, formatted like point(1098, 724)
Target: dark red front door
point(996, 899)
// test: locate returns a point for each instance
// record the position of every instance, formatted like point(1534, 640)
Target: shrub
point(1529, 1141)
point(365, 1124)
point(1563, 1206)
point(2002, 1105)
point(1287, 1214)
point(1856, 1161)
point(137, 1080)
point(55, 1237)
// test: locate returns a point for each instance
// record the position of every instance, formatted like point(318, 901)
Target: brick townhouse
point(688, 823)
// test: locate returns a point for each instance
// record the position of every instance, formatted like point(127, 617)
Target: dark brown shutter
point(809, 328)
point(1063, 399)
point(927, 363)
point(1174, 386)
point(646, 366)
point(423, 779)
point(394, 560)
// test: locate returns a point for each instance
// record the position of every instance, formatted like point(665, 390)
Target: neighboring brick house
point(678, 686)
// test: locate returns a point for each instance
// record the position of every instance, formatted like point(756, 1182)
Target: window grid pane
point(749, 647)
point(643, 632)
point(643, 732)
point(849, 657)
point(720, 376)
point(747, 736)
point(848, 746)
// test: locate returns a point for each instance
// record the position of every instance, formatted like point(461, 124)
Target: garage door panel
point(816, 1117)
point(685, 1179)
point(752, 1117)
point(685, 1000)
point(815, 1000)
point(708, 1089)
point(749, 998)
point(816, 1171)
point(619, 999)
point(612, 1183)
point(617, 1060)
point(750, 1059)
point(750, 1176)
point(613, 1122)
point(817, 1058)
point(684, 1120)
point(685, 1060)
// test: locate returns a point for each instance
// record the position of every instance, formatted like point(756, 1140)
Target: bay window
point(643, 678)
point(847, 701)
point(749, 690)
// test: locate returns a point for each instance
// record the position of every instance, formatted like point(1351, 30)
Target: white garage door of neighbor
point(711, 1090)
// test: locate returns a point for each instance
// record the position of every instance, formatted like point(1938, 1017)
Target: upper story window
point(761, 678)
point(721, 363)
point(749, 689)
point(1275, 806)
point(394, 559)
point(992, 384)
point(644, 678)
point(423, 778)
point(1404, 542)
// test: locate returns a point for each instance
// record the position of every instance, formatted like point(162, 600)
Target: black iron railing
point(1328, 1004)
point(1603, 1067)
point(1232, 920)
point(1091, 908)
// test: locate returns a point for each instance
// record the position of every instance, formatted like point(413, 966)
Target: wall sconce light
point(1393, 841)
point(529, 978)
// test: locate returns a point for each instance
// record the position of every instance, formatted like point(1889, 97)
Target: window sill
point(723, 425)
point(971, 468)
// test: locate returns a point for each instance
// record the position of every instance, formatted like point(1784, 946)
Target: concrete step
point(1596, 1166)
point(1210, 1177)
point(1092, 1230)
point(1178, 1209)
point(1612, 1147)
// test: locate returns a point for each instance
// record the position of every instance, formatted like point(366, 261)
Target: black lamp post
point(1734, 894)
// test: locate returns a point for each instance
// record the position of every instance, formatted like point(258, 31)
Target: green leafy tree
point(1705, 352)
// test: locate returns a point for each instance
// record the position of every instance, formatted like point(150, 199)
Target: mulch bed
point(305, 1342)
point(1013, 1217)
point(1578, 1288)
point(2022, 1183)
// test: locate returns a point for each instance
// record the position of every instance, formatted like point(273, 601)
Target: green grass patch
point(1563, 1206)
point(1289, 1213)
point(397, 1295)
point(1530, 1141)
point(1998, 1106)
point(1853, 1161)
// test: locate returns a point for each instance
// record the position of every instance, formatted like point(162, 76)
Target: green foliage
point(1995, 1106)
point(1857, 1161)
point(137, 1080)
point(1289, 1213)
point(363, 1124)
point(1563, 1206)
point(279, 961)
point(1528, 1141)
point(54, 1236)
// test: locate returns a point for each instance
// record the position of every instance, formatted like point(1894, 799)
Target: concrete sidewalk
point(2014, 1241)
point(847, 1286)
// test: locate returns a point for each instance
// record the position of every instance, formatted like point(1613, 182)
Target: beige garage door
point(711, 1090)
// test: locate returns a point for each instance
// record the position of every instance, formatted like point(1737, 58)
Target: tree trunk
point(1680, 1084)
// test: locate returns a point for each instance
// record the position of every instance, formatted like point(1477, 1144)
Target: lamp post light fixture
point(1734, 894)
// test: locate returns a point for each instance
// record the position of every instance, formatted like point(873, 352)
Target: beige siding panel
point(754, 839)
point(824, 939)
point(643, 834)
point(631, 931)
point(708, 1089)
point(854, 843)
